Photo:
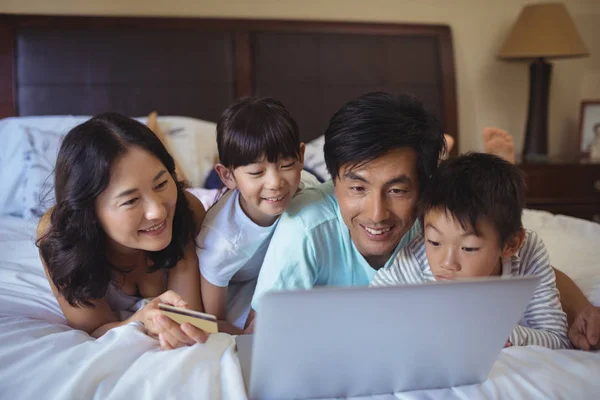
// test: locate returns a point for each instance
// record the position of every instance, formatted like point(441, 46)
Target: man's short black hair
point(373, 124)
point(476, 186)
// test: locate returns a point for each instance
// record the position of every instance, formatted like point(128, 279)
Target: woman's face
point(136, 210)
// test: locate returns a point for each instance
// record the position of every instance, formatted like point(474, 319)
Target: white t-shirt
point(230, 246)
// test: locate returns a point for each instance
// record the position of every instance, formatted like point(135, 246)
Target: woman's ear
point(226, 176)
point(513, 244)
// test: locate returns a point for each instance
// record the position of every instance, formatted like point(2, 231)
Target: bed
point(57, 71)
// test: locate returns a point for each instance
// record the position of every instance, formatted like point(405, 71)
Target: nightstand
point(563, 186)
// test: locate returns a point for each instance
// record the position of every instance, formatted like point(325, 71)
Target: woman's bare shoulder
point(197, 208)
point(44, 223)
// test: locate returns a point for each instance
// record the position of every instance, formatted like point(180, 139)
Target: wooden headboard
point(53, 65)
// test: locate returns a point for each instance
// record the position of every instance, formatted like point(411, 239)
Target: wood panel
point(194, 99)
point(7, 59)
point(568, 187)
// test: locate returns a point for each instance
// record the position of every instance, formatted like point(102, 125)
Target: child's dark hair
point(252, 128)
point(475, 186)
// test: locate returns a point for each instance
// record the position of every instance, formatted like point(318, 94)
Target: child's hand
point(508, 344)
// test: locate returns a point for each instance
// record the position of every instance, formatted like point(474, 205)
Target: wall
point(490, 92)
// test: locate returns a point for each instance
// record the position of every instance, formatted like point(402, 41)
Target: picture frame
point(589, 128)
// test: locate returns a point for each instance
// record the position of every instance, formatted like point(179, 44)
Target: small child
point(471, 218)
point(261, 160)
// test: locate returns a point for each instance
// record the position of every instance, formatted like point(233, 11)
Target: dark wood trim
point(562, 201)
point(584, 103)
point(242, 28)
point(568, 186)
point(7, 60)
point(243, 64)
point(450, 106)
point(112, 22)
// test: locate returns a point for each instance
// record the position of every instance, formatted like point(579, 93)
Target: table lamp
point(542, 31)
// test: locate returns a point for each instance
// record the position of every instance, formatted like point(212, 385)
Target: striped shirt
point(544, 322)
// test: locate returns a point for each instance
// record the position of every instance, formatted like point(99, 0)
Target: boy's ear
point(226, 176)
point(301, 153)
point(513, 244)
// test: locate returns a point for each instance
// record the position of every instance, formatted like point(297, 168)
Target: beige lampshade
point(543, 30)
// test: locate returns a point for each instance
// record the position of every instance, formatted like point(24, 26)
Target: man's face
point(377, 202)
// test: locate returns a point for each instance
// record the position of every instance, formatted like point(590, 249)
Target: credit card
point(206, 322)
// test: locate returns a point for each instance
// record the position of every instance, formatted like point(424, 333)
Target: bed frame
point(55, 65)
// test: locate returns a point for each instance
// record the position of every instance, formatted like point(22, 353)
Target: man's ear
point(513, 244)
point(301, 153)
point(226, 176)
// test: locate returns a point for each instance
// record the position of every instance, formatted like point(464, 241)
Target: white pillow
point(314, 158)
point(37, 190)
point(193, 142)
point(30, 146)
point(27, 158)
point(12, 169)
point(573, 245)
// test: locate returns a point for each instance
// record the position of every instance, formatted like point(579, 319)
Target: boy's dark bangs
point(456, 200)
point(467, 219)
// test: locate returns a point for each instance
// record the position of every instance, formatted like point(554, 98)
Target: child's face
point(454, 253)
point(266, 188)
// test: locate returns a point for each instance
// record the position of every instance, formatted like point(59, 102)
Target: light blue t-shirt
point(311, 246)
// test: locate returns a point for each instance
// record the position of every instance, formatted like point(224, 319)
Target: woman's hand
point(170, 334)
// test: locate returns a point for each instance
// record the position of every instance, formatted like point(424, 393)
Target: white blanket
point(41, 357)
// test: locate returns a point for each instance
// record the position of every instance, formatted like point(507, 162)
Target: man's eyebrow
point(405, 179)
point(355, 177)
point(400, 179)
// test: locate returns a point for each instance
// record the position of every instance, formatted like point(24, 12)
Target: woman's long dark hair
point(74, 247)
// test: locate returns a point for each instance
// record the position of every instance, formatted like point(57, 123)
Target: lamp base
point(536, 133)
point(535, 158)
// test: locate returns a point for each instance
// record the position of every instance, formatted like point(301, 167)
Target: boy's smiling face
point(455, 252)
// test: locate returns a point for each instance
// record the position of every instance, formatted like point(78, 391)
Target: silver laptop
point(344, 342)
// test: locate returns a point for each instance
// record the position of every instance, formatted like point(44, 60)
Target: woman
point(122, 230)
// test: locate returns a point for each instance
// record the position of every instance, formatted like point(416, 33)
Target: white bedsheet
point(40, 357)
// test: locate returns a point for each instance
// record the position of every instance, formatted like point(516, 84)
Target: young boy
point(471, 218)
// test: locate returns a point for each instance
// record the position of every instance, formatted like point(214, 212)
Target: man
point(381, 151)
